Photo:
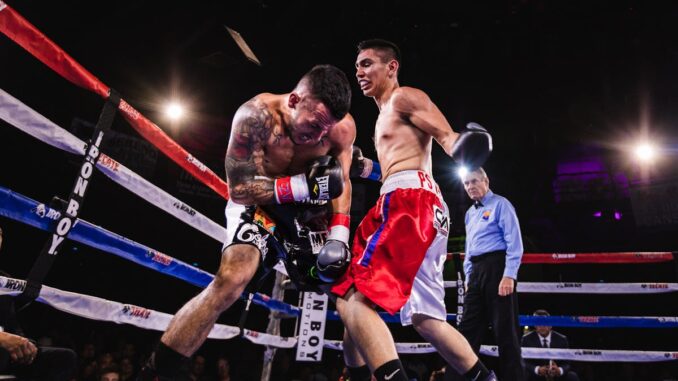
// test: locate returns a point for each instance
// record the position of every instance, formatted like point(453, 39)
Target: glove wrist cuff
point(339, 229)
point(291, 189)
point(371, 170)
point(367, 168)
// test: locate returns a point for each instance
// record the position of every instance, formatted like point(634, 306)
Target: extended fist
point(473, 146)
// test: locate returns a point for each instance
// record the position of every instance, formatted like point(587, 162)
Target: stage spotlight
point(462, 171)
point(174, 111)
point(645, 153)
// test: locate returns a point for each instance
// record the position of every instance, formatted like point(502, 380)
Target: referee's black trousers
point(483, 307)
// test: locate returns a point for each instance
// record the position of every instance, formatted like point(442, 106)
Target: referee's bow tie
point(478, 204)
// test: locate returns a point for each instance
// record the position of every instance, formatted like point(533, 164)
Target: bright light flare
point(174, 111)
point(462, 171)
point(645, 153)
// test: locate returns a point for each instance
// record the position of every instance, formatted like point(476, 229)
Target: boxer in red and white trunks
point(400, 247)
point(405, 235)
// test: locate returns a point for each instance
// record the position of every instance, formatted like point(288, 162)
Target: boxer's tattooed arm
point(252, 127)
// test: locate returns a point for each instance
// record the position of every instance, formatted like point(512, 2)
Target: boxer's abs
point(401, 147)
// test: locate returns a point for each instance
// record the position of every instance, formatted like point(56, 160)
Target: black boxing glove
point(334, 257)
point(333, 260)
point(473, 146)
point(324, 180)
point(364, 167)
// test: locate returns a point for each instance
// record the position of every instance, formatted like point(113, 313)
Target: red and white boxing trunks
point(400, 248)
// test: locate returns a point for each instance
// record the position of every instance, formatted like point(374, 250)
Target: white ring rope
point(105, 310)
point(31, 122)
point(590, 288)
point(95, 308)
point(588, 355)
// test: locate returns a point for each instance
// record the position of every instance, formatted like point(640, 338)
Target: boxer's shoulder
point(343, 134)
point(407, 98)
point(257, 112)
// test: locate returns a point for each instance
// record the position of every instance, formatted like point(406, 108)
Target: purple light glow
point(617, 215)
point(583, 175)
point(597, 214)
point(591, 166)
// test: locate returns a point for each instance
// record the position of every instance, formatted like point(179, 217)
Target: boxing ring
point(42, 215)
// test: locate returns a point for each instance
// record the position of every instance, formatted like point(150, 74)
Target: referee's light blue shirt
point(493, 227)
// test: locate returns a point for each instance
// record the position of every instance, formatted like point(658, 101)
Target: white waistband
point(411, 179)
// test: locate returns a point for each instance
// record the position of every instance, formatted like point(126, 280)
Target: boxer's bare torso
point(266, 144)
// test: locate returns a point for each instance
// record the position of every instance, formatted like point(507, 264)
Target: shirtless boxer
point(286, 152)
point(401, 245)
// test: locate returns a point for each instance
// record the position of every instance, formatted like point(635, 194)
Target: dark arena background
point(568, 89)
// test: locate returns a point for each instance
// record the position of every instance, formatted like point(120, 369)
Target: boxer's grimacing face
point(372, 72)
point(311, 121)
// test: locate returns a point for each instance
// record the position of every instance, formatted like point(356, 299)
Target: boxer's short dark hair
point(390, 49)
point(329, 85)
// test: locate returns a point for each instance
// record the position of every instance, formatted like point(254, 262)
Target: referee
point(493, 252)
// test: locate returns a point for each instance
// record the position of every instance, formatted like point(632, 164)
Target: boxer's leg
point(357, 367)
point(452, 346)
point(190, 326)
point(369, 332)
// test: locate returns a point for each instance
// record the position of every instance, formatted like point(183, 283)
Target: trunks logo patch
point(263, 220)
point(317, 240)
point(440, 220)
point(486, 215)
point(249, 233)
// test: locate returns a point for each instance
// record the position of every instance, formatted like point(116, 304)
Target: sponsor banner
point(269, 340)
point(602, 321)
point(460, 298)
point(105, 310)
point(600, 258)
point(312, 327)
point(41, 47)
point(407, 348)
point(276, 305)
point(71, 211)
point(586, 355)
point(29, 121)
point(94, 308)
point(590, 288)
point(23, 209)
point(622, 257)
point(161, 199)
point(567, 321)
